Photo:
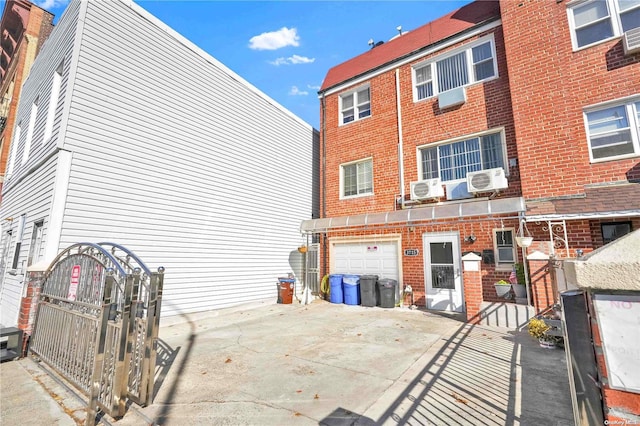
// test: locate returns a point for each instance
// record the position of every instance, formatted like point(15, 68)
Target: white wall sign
point(73, 284)
point(618, 317)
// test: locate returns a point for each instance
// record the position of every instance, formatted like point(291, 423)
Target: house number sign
point(411, 252)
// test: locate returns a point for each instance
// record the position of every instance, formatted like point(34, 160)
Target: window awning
point(426, 213)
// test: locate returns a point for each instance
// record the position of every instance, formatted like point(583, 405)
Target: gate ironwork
point(97, 324)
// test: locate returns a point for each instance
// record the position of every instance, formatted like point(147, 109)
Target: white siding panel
point(57, 49)
point(182, 162)
point(32, 197)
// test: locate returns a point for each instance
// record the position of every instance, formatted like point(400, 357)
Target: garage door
point(364, 258)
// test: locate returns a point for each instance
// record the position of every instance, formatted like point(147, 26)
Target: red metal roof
point(459, 20)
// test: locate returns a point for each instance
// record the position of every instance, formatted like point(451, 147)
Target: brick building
point(23, 30)
point(472, 131)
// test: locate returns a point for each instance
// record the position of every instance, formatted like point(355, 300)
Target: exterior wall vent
point(424, 189)
point(631, 41)
point(452, 97)
point(487, 180)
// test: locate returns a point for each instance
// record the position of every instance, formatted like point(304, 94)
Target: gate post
point(29, 304)
point(101, 337)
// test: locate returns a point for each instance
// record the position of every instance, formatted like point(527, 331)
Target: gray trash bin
point(388, 288)
point(369, 293)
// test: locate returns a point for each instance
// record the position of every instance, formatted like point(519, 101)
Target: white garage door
point(366, 258)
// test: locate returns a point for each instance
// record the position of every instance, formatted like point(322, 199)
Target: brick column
point(541, 280)
point(472, 278)
point(29, 303)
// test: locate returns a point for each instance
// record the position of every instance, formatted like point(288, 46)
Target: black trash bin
point(387, 288)
point(369, 294)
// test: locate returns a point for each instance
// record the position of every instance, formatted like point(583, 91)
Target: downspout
point(400, 144)
point(323, 166)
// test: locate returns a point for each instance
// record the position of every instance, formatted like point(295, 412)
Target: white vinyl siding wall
point(181, 161)
point(29, 189)
point(32, 198)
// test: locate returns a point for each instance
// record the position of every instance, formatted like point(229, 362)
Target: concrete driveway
point(333, 364)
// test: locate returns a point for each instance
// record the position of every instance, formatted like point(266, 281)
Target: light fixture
point(470, 239)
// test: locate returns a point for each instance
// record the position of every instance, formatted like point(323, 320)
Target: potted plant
point(538, 328)
point(519, 288)
point(503, 289)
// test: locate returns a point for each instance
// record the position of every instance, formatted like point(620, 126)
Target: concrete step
point(507, 315)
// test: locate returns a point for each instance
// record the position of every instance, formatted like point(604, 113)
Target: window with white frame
point(14, 149)
point(505, 248)
point(473, 64)
point(32, 124)
point(357, 178)
point(35, 248)
point(593, 21)
point(614, 132)
point(453, 160)
point(53, 102)
point(355, 105)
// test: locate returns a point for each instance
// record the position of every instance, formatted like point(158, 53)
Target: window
point(355, 105)
point(14, 149)
point(53, 102)
point(505, 248)
point(35, 249)
point(32, 124)
point(357, 178)
point(614, 132)
point(452, 161)
point(597, 20)
point(613, 231)
point(475, 63)
point(16, 252)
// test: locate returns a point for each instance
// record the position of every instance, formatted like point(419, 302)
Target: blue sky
point(285, 48)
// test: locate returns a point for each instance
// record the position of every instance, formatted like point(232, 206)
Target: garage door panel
point(376, 258)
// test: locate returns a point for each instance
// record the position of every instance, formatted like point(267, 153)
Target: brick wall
point(413, 266)
point(550, 86)
point(487, 107)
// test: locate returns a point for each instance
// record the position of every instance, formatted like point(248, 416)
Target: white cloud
point(50, 4)
point(293, 60)
point(296, 59)
point(275, 39)
point(297, 92)
point(312, 87)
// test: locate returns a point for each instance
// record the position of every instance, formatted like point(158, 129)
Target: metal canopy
point(418, 214)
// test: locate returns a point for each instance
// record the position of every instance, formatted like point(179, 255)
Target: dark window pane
point(441, 253)
point(594, 33)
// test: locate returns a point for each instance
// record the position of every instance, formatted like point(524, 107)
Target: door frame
point(447, 236)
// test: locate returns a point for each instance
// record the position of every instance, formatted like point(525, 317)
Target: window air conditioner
point(452, 97)
point(487, 180)
point(631, 41)
point(424, 189)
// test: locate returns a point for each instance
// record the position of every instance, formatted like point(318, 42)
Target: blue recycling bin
point(351, 289)
point(335, 292)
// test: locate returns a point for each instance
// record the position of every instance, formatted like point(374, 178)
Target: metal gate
point(97, 324)
point(312, 278)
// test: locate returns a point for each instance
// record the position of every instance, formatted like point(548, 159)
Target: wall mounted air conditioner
point(425, 189)
point(452, 97)
point(631, 41)
point(487, 180)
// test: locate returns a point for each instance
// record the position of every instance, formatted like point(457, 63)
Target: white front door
point(443, 277)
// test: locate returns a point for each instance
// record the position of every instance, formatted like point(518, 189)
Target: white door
point(366, 258)
point(443, 277)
